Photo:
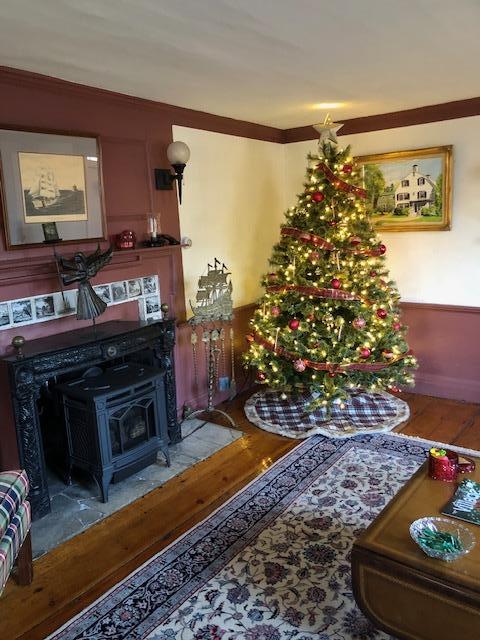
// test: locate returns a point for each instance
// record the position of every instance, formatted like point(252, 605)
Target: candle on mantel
point(153, 226)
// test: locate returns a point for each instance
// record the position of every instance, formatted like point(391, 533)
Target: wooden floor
point(79, 571)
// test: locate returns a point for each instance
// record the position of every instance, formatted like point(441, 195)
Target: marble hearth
point(77, 507)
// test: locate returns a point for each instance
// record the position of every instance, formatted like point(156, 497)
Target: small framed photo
point(22, 311)
point(50, 232)
point(119, 291)
point(44, 307)
point(104, 293)
point(152, 304)
point(134, 288)
point(4, 314)
point(65, 302)
point(409, 190)
point(150, 284)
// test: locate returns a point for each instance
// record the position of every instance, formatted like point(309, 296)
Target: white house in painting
point(415, 191)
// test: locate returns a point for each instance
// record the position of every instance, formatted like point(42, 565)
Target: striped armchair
point(15, 520)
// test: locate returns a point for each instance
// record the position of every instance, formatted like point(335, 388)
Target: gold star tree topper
point(328, 130)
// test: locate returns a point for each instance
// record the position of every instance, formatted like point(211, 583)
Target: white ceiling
point(266, 61)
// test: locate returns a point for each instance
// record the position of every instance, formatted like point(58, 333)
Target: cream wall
point(236, 191)
point(440, 267)
point(233, 202)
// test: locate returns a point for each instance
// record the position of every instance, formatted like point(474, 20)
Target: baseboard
point(445, 387)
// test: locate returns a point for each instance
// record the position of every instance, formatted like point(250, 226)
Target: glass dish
point(433, 524)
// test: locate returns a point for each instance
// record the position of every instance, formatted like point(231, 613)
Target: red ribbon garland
point(339, 183)
point(327, 366)
point(310, 238)
point(379, 251)
point(307, 238)
point(335, 294)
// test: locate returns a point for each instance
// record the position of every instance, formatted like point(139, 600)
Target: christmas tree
point(329, 321)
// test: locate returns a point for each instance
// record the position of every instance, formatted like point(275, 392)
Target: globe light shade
point(178, 153)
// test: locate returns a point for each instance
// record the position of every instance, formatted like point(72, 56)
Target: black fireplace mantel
point(47, 360)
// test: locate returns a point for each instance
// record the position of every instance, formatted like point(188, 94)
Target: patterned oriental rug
point(362, 413)
point(273, 563)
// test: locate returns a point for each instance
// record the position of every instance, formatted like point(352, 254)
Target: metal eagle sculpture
point(80, 269)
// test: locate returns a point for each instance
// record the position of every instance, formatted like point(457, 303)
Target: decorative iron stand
point(213, 304)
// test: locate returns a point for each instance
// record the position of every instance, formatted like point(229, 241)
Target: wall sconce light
point(178, 155)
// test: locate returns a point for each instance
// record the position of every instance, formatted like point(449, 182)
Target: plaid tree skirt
point(363, 413)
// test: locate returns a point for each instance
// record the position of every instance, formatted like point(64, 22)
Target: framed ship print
point(409, 190)
point(50, 179)
point(53, 187)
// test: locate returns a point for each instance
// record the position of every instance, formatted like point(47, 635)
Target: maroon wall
point(133, 135)
point(445, 341)
point(133, 138)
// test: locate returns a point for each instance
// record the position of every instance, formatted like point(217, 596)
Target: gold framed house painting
point(53, 187)
point(409, 190)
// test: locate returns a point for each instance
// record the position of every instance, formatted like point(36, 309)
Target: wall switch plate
point(224, 383)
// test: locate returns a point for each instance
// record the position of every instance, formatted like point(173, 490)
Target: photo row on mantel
point(52, 306)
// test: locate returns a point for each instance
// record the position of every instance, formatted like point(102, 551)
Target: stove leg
point(166, 453)
point(103, 481)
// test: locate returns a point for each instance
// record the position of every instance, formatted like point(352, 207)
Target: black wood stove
point(115, 421)
point(44, 363)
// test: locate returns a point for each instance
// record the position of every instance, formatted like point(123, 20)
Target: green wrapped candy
point(440, 541)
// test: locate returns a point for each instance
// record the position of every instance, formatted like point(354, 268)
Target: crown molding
point(182, 116)
point(393, 120)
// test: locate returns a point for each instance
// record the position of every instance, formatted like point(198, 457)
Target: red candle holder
point(125, 240)
point(444, 464)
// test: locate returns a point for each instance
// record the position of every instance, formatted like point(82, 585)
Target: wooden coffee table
point(403, 591)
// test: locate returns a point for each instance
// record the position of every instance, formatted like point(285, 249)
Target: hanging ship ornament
point(214, 295)
point(213, 304)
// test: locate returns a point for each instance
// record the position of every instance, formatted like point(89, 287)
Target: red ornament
point(355, 240)
point(271, 277)
point(331, 374)
point(336, 284)
point(387, 354)
point(126, 240)
point(300, 365)
point(382, 249)
point(275, 311)
point(347, 168)
point(395, 389)
point(365, 352)
point(373, 274)
point(261, 376)
point(317, 196)
point(294, 324)
point(314, 256)
point(332, 223)
point(358, 323)
point(396, 326)
point(249, 338)
point(382, 314)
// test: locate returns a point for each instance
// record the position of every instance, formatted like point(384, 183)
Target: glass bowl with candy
point(442, 538)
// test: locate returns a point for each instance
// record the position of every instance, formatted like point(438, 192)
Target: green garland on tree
point(329, 320)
